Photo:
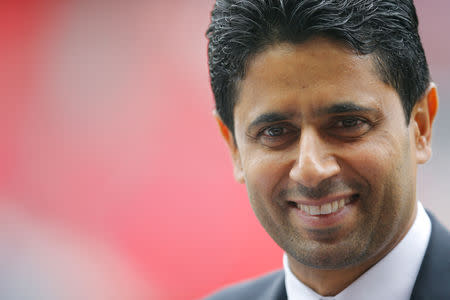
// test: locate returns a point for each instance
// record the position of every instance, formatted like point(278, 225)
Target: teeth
point(334, 206)
point(305, 208)
point(324, 209)
point(314, 210)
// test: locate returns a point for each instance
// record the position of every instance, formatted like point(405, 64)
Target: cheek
point(379, 165)
point(264, 177)
point(385, 165)
point(364, 165)
point(264, 172)
point(378, 156)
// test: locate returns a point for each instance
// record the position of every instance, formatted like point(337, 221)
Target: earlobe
point(423, 116)
point(229, 139)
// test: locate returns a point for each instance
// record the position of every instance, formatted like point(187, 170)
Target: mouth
point(325, 208)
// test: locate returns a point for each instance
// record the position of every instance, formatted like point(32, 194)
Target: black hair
point(387, 29)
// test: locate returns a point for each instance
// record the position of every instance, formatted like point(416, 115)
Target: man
point(327, 109)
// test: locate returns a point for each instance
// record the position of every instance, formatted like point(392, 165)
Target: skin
point(314, 122)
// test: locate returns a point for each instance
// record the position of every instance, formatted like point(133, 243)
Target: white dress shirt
point(393, 277)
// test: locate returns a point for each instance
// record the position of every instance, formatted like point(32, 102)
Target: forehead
point(303, 78)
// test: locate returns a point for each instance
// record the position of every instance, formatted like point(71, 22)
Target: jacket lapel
point(434, 275)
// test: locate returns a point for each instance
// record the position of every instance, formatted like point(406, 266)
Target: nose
point(315, 162)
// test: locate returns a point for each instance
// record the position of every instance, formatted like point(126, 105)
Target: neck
point(327, 282)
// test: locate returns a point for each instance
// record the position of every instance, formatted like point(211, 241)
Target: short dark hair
point(387, 29)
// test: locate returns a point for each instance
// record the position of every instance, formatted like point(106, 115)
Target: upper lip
point(323, 200)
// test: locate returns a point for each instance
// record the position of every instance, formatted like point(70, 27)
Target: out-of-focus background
point(114, 181)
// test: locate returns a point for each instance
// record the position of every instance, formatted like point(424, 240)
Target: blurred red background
point(107, 134)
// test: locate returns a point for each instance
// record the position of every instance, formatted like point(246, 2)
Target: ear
point(423, 116)
point(229, 139)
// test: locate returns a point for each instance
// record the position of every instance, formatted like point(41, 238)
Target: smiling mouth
point(325, 209)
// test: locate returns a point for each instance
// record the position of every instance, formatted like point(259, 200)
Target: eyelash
point(353, 132)
point(284, 127)
point(287, 134)
point(359, 127)
point(360, 122)
point(353, 119)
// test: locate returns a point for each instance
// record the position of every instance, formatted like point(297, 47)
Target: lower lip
point(324, 221)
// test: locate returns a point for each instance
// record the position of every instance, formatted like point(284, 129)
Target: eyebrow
point(270, 118)
point(339, 108)
point(344, 107)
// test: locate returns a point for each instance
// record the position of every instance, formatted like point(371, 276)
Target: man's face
point(324, 149)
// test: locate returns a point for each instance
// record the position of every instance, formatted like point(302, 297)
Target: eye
point(350, 127)
point(277, 135)
point(351, 122)
point(274, 131)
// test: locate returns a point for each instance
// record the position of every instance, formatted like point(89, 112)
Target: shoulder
point(438, 247)
point(269, 286)
point(434, 275)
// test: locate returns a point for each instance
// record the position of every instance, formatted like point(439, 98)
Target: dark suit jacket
point(432, 283)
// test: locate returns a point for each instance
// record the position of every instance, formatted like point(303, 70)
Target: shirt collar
point(394, 275)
